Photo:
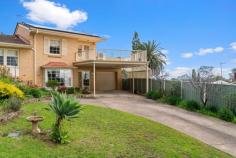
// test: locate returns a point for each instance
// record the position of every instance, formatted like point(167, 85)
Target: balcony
point(111, 55)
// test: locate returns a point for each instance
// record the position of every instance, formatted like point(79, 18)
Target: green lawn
point(102, 132)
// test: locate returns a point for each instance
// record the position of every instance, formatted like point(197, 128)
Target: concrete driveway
point(212, 131)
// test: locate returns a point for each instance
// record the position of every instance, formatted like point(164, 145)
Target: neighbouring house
point(38, 54)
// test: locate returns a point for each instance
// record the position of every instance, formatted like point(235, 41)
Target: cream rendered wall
point(26, 62)
point(68, 58)
point(26, 71)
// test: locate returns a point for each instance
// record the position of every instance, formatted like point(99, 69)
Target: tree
point(136, 44)
point(194, 74)
point(64, 107)
point(155, 57)
point(203, 82)
point(184, 77)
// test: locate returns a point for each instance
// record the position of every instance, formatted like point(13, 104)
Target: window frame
point(60, 47)
point(62, 75)
point(6, 57)
point(3, 63)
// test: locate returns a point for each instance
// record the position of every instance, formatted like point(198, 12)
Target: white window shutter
point(64, 47)
point(46, 45)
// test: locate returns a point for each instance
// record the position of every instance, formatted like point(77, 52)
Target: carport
point(107, 67)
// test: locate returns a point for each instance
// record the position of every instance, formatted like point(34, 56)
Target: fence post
point(164, 85)
point(181, 89)
point(132, 81)
point(151, 84)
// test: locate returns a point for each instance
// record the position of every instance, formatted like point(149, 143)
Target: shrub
point(36, 93)
point(62, 89)
point(8, 90)
point(183, 104)
point(226, 114)
point(44, 92)
point(12, 104)
point(149, 94)
point(70, 90)
point(173, 100)
point(64, 107)
point(4, 71)
point(24, 88)
point(231, 102)
point(192, 105)
point(59, 136)
point(53, 84)
point(156, 95)
point(212, 108)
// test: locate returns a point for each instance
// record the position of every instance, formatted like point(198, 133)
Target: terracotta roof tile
point(55, 65)
point(12, 39)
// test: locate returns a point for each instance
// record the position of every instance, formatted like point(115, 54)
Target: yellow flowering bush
point(7, 90)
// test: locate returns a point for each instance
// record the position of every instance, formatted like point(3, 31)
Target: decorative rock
point(14, 135)
point(8, 116)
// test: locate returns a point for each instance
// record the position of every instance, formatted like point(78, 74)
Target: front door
point(85, 80)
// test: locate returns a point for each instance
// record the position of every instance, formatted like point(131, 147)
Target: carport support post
point(132, 81)
point(94, 79)
point(147, 79)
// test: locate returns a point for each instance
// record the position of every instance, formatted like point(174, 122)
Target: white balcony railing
point(112, 55)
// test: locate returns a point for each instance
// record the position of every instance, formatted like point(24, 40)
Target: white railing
point(112, 55)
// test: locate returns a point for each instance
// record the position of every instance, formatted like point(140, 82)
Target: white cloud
point(168, 62)
point(233, 46)
point(179, 71)
point(225, 72)
point(233, 61)
point(187, 55)
point(165, 51)
point(205, 51)
point(45, 11)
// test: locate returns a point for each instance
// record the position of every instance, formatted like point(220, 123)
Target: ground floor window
point(62, 76)
point(12, 58)
point(1, 57)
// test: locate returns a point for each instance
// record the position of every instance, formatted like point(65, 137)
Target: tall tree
point(155, 57)
point(136, 44)
point(194, 74)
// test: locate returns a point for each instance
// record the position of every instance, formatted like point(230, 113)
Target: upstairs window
point(86, 51)
point(55, 46)
point(12, 58)
point(1, 57)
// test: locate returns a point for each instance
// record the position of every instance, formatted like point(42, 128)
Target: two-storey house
point(38, 54)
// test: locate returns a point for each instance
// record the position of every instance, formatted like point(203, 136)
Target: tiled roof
point(11, 39)
point(59, 30)
point(55, 65)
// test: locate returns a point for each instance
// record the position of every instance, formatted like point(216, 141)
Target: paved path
point(212, 131)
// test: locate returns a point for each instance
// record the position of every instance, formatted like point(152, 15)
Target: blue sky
point(195, 32)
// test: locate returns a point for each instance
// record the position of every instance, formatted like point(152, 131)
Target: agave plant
point(64, 107)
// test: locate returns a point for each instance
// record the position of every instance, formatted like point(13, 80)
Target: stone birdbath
point(35, 120)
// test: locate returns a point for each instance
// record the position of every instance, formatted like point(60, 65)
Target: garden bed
point(8, 116)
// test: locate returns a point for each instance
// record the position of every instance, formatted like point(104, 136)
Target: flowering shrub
point(8, 90)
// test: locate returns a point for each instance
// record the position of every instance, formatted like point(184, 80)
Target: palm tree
point(65, 108)
point(155, 57)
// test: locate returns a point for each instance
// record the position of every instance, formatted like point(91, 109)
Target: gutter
point(34, 51)
point(14, 45)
